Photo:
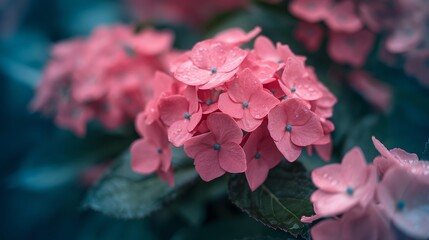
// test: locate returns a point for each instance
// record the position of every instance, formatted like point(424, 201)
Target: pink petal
point(224, 128)
point(303, 135)
point(207, 165)
point(261, 103)
point(167, 176)
point(243, 86)
point(353, 168)
point(342, 17)
point(289, 150)
point(265, 49)
point(256, 173)
point(199, 144)
point(178, 133)
point(209, 54)
point(173, 108)
point(310, 10)
point(195, 120)
point(144, 157)
point(228, 106)
point(248, 123)
point(236, 36)
point(328, 178)
point(331, 204)
point(232, 158)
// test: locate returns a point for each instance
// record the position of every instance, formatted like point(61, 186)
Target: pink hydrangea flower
point(153, 152)
point(405, 37)
point(323, 146)
point(246, 101)
point(405, 200)
point(357, 224)
point(219, 150)
point(310, 35)
point(293, 126)
point(266, 51)
point(297, 81)
point(399, 158)
point(263, 70)
point(310, 10)
point(324, 106)
point(211, 64)
point(374, 91)
point(342, 17)
point(261, 155)
point(343, 186)
point(351, 48)
point(161, 84)
point(73, 116)
point(236, 36)
point(181, 114)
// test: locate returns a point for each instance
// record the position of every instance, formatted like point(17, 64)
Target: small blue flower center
point(245, 104)
point(288, 128)
point(129, 51)
point(213, 70)
point(293, 89)
point(349, 191)
point(187, 116)
point(159, 150)
point(400, 205)
point(209, 102)
point(257, 156)
point(216, 146)
point(279, 61)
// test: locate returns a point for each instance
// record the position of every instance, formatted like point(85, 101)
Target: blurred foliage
point(40, 166)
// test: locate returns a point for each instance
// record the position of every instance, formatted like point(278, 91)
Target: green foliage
point(125, 194)
point(280, 202)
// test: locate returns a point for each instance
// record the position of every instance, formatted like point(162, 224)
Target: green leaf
point(280, 202)
point(125, 194)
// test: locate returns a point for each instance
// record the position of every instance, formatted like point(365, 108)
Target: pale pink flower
point(351, 48)
point(357, 224)
point(405, 200)
point(293, 126)
point(261, 155)
point(246, 101)
point(297, 81)
point(153, 152)
point(211, 64)
point(161, 85)
point(150, 42)
point(343, 186)
point(342, 17)
point(399, 158)
point(181, 114)
point(236, 36)
point(310, 10)
point(219, 150)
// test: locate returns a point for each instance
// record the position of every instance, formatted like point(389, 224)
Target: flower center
point(213, 70)
point(400, 205)
point(349, 191)
point(216, 147)
point(209, 102)
point(257, 156)
point(129, 50)
point(288, 128)
point(245, 104)
point(293, 89)
point(187, 116)
point(159, 150)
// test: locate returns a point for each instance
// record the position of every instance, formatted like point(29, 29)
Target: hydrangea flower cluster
point(352, 24)
point(105, 77)
point(234, 110)
point(370, 208)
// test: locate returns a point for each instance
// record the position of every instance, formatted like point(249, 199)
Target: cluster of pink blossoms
point(370, 208)
point(105, 77)
point(352, 24)
point(234, 110)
